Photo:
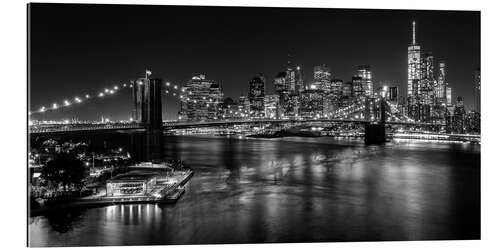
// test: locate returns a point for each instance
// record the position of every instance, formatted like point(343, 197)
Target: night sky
point(80, 49)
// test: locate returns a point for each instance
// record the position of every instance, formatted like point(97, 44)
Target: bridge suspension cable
point(70, 102)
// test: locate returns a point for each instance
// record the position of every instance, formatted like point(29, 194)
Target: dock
point(169, 194)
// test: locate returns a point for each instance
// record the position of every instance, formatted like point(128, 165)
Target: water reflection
point(249, 190)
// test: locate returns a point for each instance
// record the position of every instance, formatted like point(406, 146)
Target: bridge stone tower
point(375, 131)
point(147, 101)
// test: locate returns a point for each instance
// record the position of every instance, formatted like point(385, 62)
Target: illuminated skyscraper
point(364, 71)
point(311, 104)
point(321, 77)
point(441, 82)
point(414, 63)
point(428, 67)
point(294, 81)
point(256, 96)
point(271, 106)
point(392, 96)
point(201, 99)
point(357, 86)
point(448, 95)
point(458, 119)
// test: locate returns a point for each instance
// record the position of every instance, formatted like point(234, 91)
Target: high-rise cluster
point(428, 96)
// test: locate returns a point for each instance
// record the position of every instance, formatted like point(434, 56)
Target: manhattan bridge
point(147, 114)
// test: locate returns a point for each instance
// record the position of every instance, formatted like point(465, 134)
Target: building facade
point(256, 93)
point(201, 100)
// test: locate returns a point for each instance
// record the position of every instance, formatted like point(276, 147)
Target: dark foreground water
point(292, 190)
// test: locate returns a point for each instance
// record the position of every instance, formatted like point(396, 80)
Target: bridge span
point(169, 125)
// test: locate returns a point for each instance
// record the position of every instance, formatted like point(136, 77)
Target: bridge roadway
point(61, 128)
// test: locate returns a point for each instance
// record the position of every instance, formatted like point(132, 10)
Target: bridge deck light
point(87, 96)
point(101, 94)
point(111, 91)
point(115, 87)
point(54, 106)
point(106, 90)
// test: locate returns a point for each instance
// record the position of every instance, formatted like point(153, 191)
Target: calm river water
point(292, 190)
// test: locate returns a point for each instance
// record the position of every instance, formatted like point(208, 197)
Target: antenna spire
point(414, 37)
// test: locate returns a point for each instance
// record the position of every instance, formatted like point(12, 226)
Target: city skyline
point(226, 72)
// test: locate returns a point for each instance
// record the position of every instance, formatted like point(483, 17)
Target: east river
point(292, 190)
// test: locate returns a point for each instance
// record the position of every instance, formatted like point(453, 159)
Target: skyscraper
point(357, 86)
point(428, 66)
point(441, 82)
point(458, 120)
point(364, 71)
point(414, 62)
point(393, 94)
point(294, 81)
point(321, 77)
point(448, 95)
point(256, 96)
point(271, 106)
point(201, 99)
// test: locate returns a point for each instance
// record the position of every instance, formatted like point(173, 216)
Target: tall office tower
point(336, 87)
point(448, 95)
point(426, 89)
point(321, 77)
point(357, 86)
point(441, 82)
point(202, 99)
point(147, 101)
point(215, 100)
point(428, 66)
point(393, 94)
point(414, 62)
point(364, 71)
point(280, 82)
point(299, 79)
point(459, 116)
point(256, 93)
point(294, 81)
point(311, 103)
point(347, 94)
point(271, 106)
point(336, 93)
point(477, 90)
point(290, 78)
point(281, 91)
point(244, 105)
point(473, 122)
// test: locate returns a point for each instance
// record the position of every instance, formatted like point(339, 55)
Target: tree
point(65, 169)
